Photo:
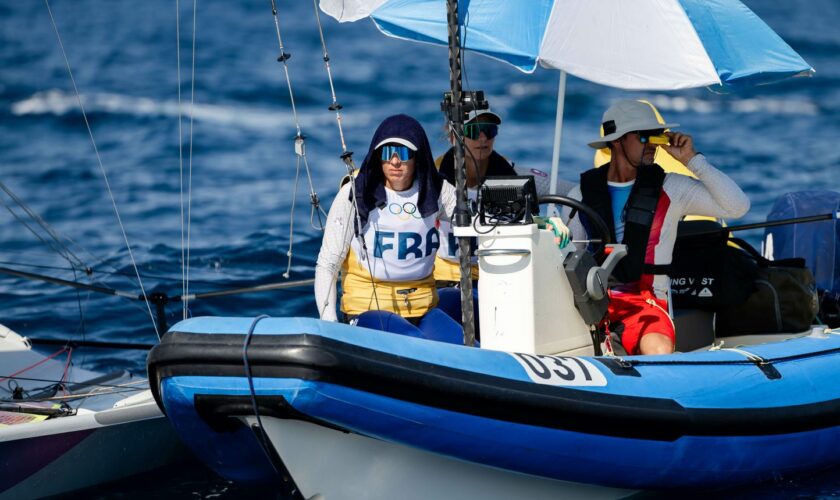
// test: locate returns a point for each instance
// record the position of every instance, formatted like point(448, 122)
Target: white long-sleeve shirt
point(338, 234)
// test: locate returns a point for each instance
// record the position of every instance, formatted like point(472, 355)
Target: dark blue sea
point(240, 152)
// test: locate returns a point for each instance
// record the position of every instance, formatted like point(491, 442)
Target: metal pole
point(71, 284)
point(558, 136)
point(783, 222)
point(91, 343)
point(772, 223)
point(462, 215)
point(160, 299)
point(558, 132)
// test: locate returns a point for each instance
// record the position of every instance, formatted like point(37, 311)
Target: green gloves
point(562, 235)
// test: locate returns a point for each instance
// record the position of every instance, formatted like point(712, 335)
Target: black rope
point(265, 444)
point(684, 362)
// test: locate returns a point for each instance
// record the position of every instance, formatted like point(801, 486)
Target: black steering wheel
point(595, 220)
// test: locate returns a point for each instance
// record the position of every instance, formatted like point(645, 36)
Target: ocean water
point(239, 148)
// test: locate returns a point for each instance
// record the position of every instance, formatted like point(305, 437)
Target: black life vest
point(639, 213)
point(497, 165)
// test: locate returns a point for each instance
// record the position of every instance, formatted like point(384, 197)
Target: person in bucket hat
point(642, 205)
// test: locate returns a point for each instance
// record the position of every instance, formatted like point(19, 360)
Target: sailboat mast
point(462, 214)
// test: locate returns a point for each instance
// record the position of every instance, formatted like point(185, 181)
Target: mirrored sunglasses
point(404, 153)
point(473, 130)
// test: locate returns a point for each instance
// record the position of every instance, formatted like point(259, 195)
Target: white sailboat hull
point(86, 449)
point(113, 428)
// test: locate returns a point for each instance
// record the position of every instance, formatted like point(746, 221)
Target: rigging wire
point(25, 369)
point(189, 175)
point(126, 385)
point(347, 158)
point(119, 293)
point(111, 273)
point(186, 218)
point(91, 287)
point(300, 151)
point(101, 166)
point(180, 147)
point(55, 244)
point(81, 329)
point(335, 106)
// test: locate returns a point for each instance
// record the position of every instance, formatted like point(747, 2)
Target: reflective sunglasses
point(473, 130)
point(404, 153)
point(653, 136)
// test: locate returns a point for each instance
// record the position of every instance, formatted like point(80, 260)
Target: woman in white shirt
point(382, 235)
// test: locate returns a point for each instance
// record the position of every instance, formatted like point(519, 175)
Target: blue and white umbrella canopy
point(627, 44)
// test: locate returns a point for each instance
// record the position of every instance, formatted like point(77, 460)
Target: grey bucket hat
point(629, 116)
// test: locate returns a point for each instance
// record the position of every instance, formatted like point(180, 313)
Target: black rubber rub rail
point(316, 358)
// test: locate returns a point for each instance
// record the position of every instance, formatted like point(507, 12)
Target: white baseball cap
point(397, 140)
point(472, 115)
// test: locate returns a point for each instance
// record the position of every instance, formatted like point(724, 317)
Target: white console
point(525, 301)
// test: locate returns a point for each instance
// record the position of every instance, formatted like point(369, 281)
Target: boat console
point(535, 297)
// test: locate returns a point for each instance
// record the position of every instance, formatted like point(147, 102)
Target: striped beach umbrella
point(627, 44)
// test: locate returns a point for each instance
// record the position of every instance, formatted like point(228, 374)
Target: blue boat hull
point(686, 420)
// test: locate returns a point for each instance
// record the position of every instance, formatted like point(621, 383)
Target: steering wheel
point(595, 220)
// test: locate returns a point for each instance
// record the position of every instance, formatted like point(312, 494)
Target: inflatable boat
point(537, 411)
point(719, 417)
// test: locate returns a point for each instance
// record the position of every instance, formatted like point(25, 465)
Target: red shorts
point(638, 317)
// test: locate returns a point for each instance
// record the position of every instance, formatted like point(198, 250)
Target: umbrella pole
point(462, 215)
point(558, 136)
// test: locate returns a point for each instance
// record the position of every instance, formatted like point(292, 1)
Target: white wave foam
point(59, 103)
point(774, 106)
point(525, 89)
point(741, 106)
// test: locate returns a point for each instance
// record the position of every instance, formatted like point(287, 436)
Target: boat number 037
point(560, 370)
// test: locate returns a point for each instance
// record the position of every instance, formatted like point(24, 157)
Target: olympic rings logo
point(405, 211)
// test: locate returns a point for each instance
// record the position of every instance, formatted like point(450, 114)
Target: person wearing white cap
point(481, 161)
point(381, 234)
point(642, 205)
